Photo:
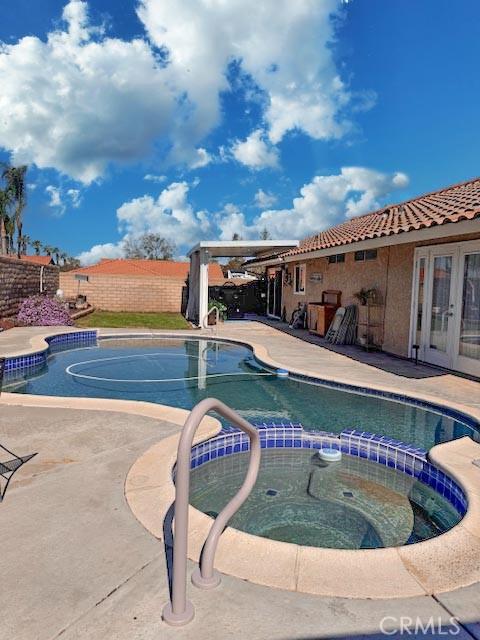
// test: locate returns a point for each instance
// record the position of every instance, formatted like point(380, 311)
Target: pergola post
point(203, 287)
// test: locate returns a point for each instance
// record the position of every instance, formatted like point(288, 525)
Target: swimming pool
point(180, 372)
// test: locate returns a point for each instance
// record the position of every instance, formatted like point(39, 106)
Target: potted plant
point(366, 295)
point(222, 311)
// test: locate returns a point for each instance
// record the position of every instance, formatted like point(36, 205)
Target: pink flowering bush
point(41, 311)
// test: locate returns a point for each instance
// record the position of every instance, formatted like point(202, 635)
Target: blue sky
point(197, 120)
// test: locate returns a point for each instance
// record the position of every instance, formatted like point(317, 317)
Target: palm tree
point(16, 182)
point(56, 253)
point(64, 257)
point(5, 202)
point(10, 229)
point(37, 245)
point(48, 249)
point(25, 243)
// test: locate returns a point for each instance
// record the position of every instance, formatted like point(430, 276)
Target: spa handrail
point(179, 611)
point(217, 318)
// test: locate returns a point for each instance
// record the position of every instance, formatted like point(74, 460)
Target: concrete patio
point(77, 564)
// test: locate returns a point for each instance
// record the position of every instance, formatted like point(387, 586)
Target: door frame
point(273, 271)
point(458, 250)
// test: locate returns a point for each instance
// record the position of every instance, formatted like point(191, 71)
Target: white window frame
point(302, 269)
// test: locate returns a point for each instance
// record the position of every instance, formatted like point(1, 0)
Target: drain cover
point(347, 494)
point(271, 492)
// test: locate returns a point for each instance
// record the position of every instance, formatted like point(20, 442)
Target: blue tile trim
point(361, 444)
point(19, 367)
point(387, 395)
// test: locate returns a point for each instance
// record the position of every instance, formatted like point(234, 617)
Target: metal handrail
point(217, 318)
point(179, 610)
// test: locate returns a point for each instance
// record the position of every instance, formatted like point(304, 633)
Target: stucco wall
point(19, 280)
point(127, 293)
point(350, 276)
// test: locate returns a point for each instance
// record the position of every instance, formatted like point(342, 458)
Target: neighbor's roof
point(38, 259)
point(126, 267)
point(451, 204)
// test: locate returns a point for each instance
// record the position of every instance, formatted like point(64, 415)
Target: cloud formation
point(283, 47)
point(329, 200)
point(150, 177)
point(264, 199)
point(60, 200)
point(80, 100)
point(325, 201)
point(255, 152)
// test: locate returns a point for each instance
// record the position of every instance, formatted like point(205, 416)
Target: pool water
point(352, 504)
point(181, 372)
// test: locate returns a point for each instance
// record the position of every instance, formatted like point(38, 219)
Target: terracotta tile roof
point(452, 204)
point(127, 267)
point(39, 259)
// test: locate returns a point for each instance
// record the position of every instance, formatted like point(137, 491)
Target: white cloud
point(264, 199)
point(59, 199)
point(170, 215)
point(75, 197)
point(80, 100)
point(150, 177)
point(55, 199)
point(329, 200)
point(255, 152)
point(284, 47)
point(99, 251)
point(325, 201)
point(230, 221)
point(202, 159)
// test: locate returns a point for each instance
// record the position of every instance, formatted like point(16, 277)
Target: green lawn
point(141, 320)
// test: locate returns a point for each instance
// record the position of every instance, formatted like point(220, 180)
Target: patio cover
point(200, 256)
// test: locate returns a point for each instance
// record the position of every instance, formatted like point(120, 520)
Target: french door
point(446, 306)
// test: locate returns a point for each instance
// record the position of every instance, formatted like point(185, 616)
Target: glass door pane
point(469, 345)
point(440, 315)
point(420, 294)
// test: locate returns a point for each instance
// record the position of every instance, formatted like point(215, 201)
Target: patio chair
point(9, 461)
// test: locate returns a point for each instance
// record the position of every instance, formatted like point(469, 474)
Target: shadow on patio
point(378, 359)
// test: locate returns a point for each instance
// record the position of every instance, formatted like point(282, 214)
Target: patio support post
point(203, 287)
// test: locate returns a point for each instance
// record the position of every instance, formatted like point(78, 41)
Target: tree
point(24, 244)
point(17, 184)
point(48, 249)
point(5, 202)
point(265, 234)
point(56, 253)
point(37, 246)
point(149, 246)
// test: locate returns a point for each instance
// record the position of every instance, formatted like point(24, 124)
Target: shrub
point(41, 311)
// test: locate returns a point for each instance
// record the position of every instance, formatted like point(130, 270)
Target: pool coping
point(442, 564)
